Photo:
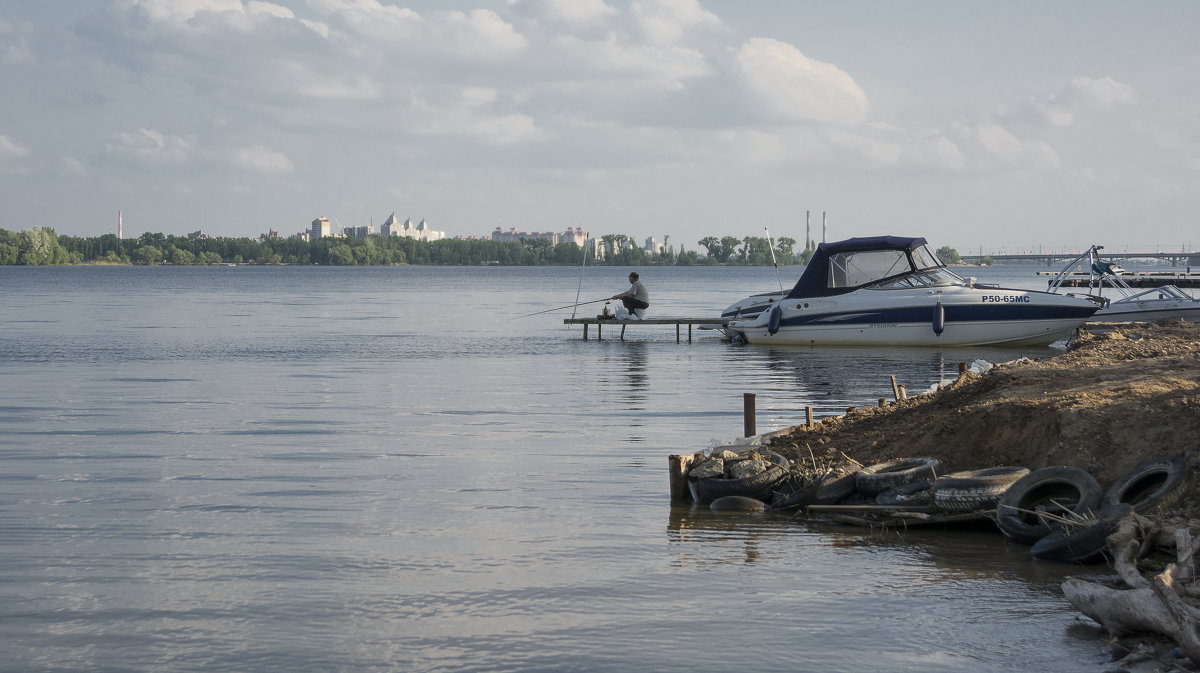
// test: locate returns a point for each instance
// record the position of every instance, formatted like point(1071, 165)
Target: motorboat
point(1125, 303)
point(892, 290)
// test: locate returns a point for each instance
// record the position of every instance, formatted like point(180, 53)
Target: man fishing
point(634, 301)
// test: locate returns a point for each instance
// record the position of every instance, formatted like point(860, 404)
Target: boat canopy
point(844, 266)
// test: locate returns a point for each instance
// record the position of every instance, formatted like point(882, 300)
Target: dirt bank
point(1114, 399)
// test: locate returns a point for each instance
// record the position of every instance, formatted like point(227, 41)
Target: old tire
point(1155, 483)
point(913, 493)
point(827, 493)
point(1054, 490)
point(1080, 544)
point(974, 490)
point(757, 486)
point(879, 477)
point(737, 503)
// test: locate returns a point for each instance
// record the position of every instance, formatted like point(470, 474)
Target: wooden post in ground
point(679, 467)
point(903, 394)
point(895, 388)
point(962, 369)
point(883, 401)
point(808, 417)
point(748, 414)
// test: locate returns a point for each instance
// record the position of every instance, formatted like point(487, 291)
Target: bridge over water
point(1058, 259)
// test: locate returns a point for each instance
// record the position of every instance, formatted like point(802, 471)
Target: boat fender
point(773, 320)
point(939, 319)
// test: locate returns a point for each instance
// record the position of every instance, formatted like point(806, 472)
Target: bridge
point(1058, 259)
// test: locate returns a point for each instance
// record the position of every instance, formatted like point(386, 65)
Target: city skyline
point(970, 123)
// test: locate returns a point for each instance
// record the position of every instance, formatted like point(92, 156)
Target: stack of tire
point(1062, 512)
point(1034, 508)
point(735, 492)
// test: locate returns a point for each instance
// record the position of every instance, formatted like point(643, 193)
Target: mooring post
point(808, 417)
point(903, 394)
point(748, 414)
point(895, 389)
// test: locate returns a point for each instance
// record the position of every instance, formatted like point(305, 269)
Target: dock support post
point(748, 414)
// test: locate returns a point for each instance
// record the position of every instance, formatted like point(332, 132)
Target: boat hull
point(1149, 311)
point(954, 316)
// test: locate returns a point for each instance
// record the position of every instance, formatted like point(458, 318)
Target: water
point(369, 469)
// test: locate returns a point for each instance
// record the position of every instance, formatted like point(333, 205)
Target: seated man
point(634, 301)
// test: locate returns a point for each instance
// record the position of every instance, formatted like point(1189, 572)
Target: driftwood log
point(1153, 604)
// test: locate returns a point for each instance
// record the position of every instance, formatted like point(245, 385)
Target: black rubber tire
point(879, 477)
point(758, 486)
point(1050, 489)
point(827, 493)
point(1156, 483)
point(1080, 544)
point(974, 490)
point(913, 493)
point(737, 503)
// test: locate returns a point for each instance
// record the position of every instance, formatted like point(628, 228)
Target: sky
point(989, 127)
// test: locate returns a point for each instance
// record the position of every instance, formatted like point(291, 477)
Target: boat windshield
point(857, 268)
point(852, 269)
point(924, 258)
point(926, 278)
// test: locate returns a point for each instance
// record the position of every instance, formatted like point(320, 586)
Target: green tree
point(146, 254)
point(948, 255)
point(713, 245)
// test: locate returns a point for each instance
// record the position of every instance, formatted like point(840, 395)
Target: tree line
point(41, 246)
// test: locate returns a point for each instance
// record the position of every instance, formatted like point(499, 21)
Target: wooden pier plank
point(677, 322)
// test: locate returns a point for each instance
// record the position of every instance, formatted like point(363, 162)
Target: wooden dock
point(677, 322)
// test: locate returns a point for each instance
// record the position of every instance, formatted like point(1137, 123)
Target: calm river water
point(379, 469)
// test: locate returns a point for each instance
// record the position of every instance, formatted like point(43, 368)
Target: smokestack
point(119, 232)
point(823, 228)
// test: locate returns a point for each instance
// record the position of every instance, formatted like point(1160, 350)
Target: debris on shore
point(1089, 455)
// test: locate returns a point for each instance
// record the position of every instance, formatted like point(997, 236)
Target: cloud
point(262, 159)
point(73, 166)
point(998, 143)
point(151, 147)
point(667, 21)
point(579, 13)
point(1062, 107)
point(14, 44)
point(794, 88)
point(10, 148)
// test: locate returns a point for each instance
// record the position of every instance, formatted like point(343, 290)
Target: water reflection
point(935, 554)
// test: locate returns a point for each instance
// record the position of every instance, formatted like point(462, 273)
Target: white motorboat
point(891, 290)
point(1125, 303)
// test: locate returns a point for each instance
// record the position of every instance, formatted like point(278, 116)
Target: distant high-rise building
point(320, 228)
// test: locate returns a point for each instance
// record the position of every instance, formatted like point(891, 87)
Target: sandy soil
point(1112, 400)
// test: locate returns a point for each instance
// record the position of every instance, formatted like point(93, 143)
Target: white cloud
point(666, 21)
point(578, 12)
point(262, 159)
point(14, 44)
point(11, 148)
point(73, 166)
point(999, 143)
point(1083, 93)
point(183, 11)
point(792, 87)
point(152, 147)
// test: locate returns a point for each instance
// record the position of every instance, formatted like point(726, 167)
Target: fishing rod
point(559, 308)
point(581, 268)
point(771, 246)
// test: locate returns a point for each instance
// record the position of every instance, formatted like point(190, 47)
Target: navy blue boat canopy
point(843, 266)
